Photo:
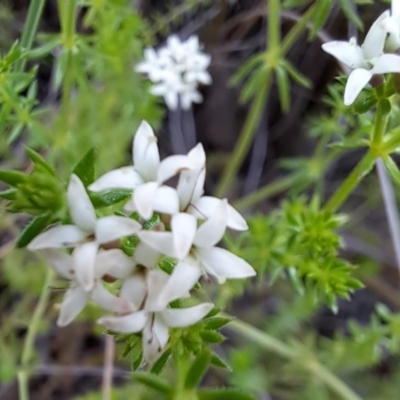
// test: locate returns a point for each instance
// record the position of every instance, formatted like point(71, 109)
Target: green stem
point(381, 120)
point(272, 344)
point(245, 138)
point(30, 28)
point(265, 192)
point(67, 12)
point(293, 35)
point(358, 173)
point(274, 26)
point(27, 351)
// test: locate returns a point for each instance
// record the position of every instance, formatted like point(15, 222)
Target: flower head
point(86, 235)
point(153, 317)
point(176, 70)
point(366, 60)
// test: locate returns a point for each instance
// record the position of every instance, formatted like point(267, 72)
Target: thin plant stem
point(391, 209)
point(274, 26)
point(245, 138)
point(30, 28)
point(359, 172)
point(273, 188)
point(293, 35)
point(108, 372)
point(381, 120)
point(270, 343)
point(27, 351)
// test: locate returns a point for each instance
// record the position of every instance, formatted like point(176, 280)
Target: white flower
point(195, 249)
point(146, 175)
point(392, 26)
point(86, 235)
point(112, 262)
point(154, 318)
point(367, 60)
point(177, 69)
point(190, 193)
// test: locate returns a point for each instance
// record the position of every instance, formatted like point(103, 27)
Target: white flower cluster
point(176, 70)
point(191, 227)
point(374, 57)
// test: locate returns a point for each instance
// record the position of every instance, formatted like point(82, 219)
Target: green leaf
point(153, 381)
point(198, 368)
point(109, 197)
point(85, 169)
point(283, 88)
point(211, 336)
point(34, 227)
point(37, 159)
point(223, 394)
point(349, 11)
point(219, 362)
point(161, 363)
point(216, 322)
point(12, 178)
point(9, 194)
point(320, 16)
point(246, 69)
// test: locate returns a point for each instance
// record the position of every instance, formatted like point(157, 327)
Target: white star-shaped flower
point(196, 250)
point(112, 263)
point(367, 60)
point(86, 235)
point(154, 318)
point(146, 176)
point(190, 192)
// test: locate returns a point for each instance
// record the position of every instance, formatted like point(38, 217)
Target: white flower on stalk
point(87, 235)
point(196, 251)
point(190, 192)
point(177, 69)
point(153, 318)
point(112, 263)
point(367, 60)
point(146, 176)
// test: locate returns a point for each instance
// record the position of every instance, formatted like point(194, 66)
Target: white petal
point(134, 289)
point(143, 197)
point(130, 323)
point(203, 207)
point(171, 100)
point(146, 256)
point(190, 187)
point(114, 262)
point(224, 264)
point(156, 280)
point(121, 178)
point(155, 338)
point(159, 89)
point(356, 81)
point(183, 227)
point(62, 236)
point(84, 256)
point(181, 317)
point(80, 207)
point(173, 165)
point(102, 297)
point(387, 63)
point(166, 200)
point(74, 301)
point(184, 276)
point(145, 152)
point(346, 52)
point(163, 242)
point(61, 262)
point(375, 39)
point(114, 227)
point(212, 230)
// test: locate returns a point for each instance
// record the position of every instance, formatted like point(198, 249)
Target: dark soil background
point(232, 31)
